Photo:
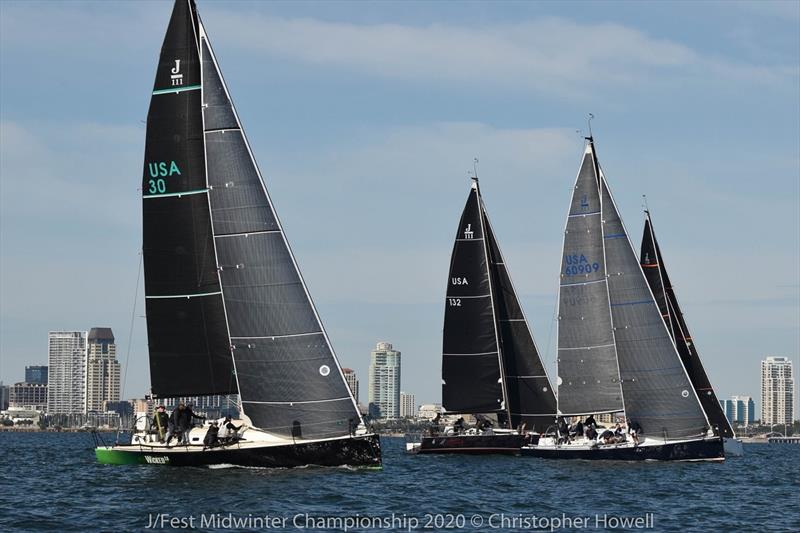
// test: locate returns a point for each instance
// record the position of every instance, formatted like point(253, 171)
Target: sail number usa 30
point(158, 171)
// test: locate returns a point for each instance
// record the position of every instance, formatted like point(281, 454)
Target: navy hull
point(355, 451)
point(696, 450)
point(472, 444)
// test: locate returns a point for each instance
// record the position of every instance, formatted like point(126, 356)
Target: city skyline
point(704, 122)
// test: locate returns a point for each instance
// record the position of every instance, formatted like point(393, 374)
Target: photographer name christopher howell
point(304, 521)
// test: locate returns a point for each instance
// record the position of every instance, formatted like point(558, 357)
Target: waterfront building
point(352, 381)
point(213, 406)
point(66, 378)
point(429, 410)
point(739, 410)
point(408, 405)
point(36, 374)
point(102, 369)
point(777, 391)
point(28, 396)
point(384, 382)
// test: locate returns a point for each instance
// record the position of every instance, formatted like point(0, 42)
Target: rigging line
point(130, 331)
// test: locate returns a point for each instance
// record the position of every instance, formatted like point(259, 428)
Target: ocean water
point(50, 482)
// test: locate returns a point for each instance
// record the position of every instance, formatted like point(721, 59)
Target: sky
point(365, 118)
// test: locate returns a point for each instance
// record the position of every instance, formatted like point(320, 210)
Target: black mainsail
point(614, 351)
point(655, 271)
point(490, 363)
point(227, 308)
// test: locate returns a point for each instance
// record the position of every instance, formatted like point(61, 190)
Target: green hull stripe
point(186, 193)
point(109, 456)
point(177, 89)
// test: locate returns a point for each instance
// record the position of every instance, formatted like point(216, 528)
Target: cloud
point(547, 54)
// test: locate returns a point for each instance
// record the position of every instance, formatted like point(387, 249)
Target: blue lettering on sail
point(584, 202)
point(578, 264)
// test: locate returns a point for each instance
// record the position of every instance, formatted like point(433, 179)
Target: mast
point(492, 290)
point(655, 270)
point(200, 31)
point(597, 173)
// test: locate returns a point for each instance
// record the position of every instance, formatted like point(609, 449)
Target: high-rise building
point(102, 369)
point(66, 372)
point(4, 392)
point(384, 382)
point(408, 405)
point(352, 381)
point(777, 391)
point(28, 396)
point(36, 374)
point(739, 410)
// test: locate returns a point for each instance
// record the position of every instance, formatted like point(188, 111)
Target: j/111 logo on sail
point(177, 77)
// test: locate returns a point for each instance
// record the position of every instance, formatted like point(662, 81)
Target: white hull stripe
point(199, 294)
point(293, 403)
point(527, 377)
point(511, 320)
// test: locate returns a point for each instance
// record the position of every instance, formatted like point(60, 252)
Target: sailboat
point(655, 271)
point(490, 363)
point(615, 355)
point(227, 309)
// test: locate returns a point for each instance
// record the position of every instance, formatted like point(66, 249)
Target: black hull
point(355, 451)
point(473, 444)
point(697, 450)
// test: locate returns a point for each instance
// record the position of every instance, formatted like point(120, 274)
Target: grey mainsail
point(657, 391)
point(588, 376)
